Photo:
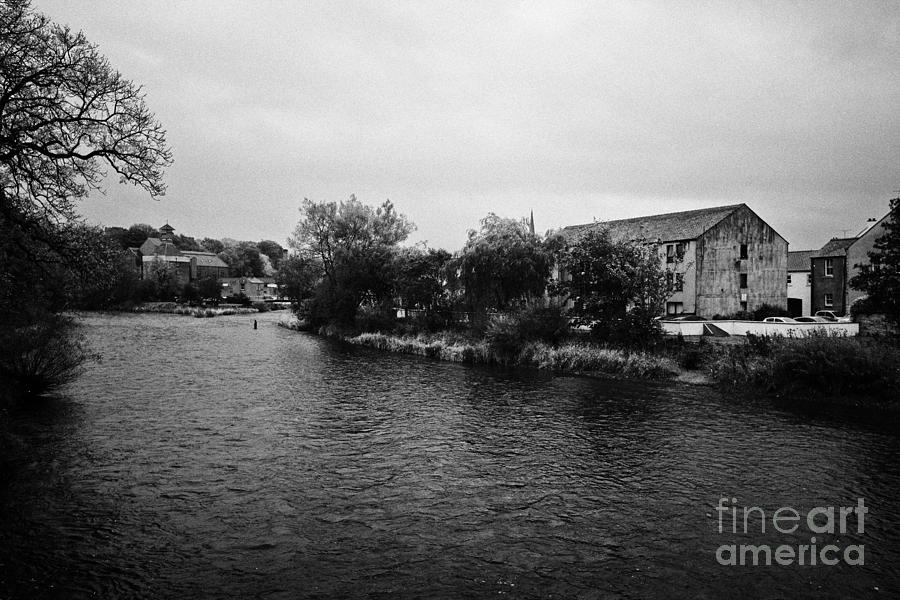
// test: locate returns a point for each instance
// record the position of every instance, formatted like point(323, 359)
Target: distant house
point(723, 260)
point(189, 265)
point(837, 263)
point(255, 288)
point(207, 265)
point(799, 282)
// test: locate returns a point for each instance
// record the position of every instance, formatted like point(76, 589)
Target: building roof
point(834, 247)
point(798, 260)
point(206, 259)
point(685, 225)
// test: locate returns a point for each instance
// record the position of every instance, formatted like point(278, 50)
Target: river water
point(203, 458)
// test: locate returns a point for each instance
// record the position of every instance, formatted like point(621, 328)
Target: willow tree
point(503, 264)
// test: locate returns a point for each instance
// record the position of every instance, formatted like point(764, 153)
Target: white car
point(778, 320)
point(830, 316)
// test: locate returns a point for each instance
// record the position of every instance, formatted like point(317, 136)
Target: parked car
point(778, 320)
point(687, 318)
point(811, 319)
point(830, 316)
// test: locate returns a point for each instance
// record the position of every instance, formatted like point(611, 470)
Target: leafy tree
point(880, 279)
point(297, 278)
point(615, 287)
point(502, 265)
point(164, 277)
point(137, 234)
point(211, 245)
point(352, 247)
point(183, 242)
point(273, 250)
point(419, 276)
point(209, 287)
point(243, 260)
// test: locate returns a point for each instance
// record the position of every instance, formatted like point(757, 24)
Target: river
point(203, 458)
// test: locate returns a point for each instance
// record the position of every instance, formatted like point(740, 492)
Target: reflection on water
point(203, 458)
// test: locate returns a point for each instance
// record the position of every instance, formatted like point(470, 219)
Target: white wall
point(800, 287)
point(760, 328)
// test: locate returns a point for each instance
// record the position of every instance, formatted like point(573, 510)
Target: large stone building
point(723, 260)
point(189, 266)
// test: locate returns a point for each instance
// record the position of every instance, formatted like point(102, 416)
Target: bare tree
point(66, 118)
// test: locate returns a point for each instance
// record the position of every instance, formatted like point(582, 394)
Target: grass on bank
point(818, 367)
point(201, 311)
point(569, 357)
point(823, 367)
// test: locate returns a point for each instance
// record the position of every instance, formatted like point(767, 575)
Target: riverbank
point(821, 368)
point(574, 358)
point(201, 311)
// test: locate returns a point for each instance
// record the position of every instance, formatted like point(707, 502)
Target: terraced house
point(837, 262)
point(722, 260)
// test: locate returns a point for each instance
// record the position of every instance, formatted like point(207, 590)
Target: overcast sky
point(577, 111)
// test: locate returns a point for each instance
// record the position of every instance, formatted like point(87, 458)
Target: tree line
point(349, 268)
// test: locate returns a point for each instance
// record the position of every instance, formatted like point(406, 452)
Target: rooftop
point(835, 247)
point(685, 225)
point(798, 260)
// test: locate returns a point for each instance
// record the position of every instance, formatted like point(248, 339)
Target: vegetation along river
point(203, 458)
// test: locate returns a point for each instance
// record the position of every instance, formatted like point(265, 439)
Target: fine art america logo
point(819, 521)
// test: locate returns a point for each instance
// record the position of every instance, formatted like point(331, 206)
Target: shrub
point(41, 357)
point(380, 317)
point(507, 335)
point(241, 299)
point(815, 366)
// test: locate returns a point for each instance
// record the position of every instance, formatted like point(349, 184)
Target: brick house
point(723, 260)
point(837, 263)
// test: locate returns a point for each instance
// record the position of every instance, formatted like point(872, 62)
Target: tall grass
point(819, 366)
point(567, 358)
point(191, 311)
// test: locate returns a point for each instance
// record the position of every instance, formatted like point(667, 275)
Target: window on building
point(829, 300)
point(679, 282)
point(789, 279)
point(743, 281)
point(808, 279)
point(744, 251)
point(743, 307)
point(829, 267)
point(670, 253)
point(674, 308)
